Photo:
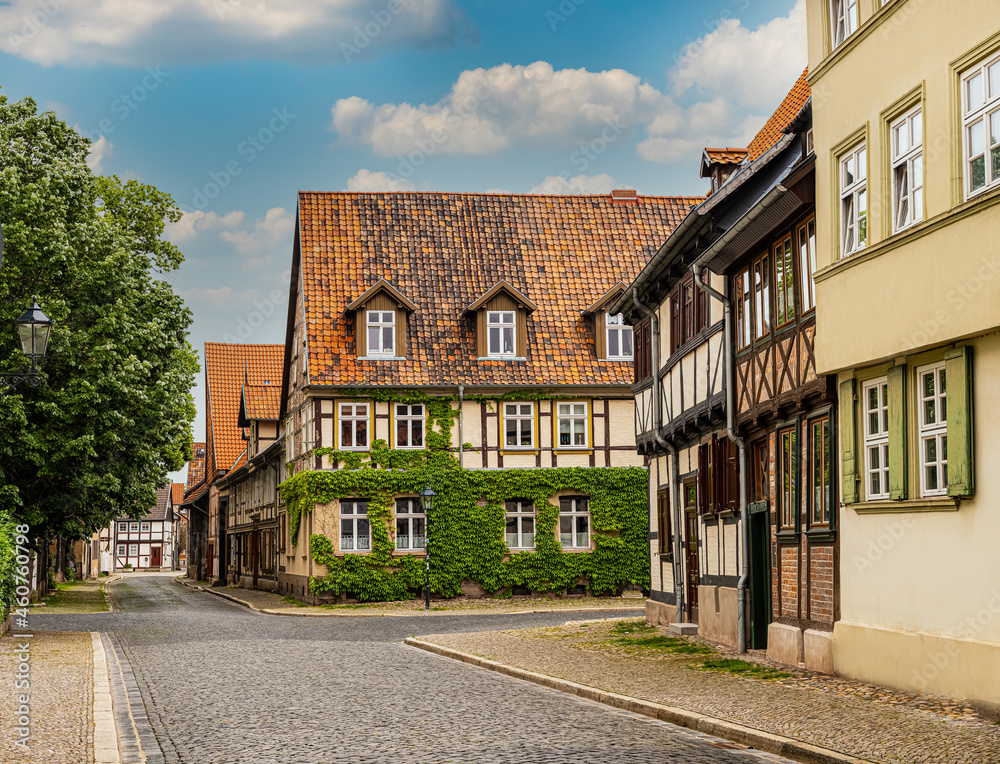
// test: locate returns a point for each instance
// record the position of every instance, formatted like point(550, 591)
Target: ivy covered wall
point(466, 527)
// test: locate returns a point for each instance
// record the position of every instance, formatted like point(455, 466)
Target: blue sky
point(232, 106)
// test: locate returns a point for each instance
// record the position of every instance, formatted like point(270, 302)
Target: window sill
point(568, 450)
point(502, 358)
point(929, 504)
point(380, 358)
point(821, 535)
point(618, 360)
point(408, 552)
point(787, 536)
point(511, 450)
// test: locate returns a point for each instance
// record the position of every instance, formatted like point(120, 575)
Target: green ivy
point(466, 527)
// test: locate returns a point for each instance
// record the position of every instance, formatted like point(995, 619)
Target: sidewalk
point(276, 604)
point(60, 698)
point(843, 717)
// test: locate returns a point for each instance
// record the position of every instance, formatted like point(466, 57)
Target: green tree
point(114, 415)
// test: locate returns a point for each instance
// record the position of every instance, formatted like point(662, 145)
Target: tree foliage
point(114, 415)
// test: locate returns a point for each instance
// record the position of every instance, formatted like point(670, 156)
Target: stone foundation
point(660, 613)
point(717, 614)
point(785, 644)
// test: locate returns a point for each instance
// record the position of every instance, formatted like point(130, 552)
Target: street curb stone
point(355, 614)
point(105, 732)
point(710, 725)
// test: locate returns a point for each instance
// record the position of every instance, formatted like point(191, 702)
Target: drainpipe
point(741, 586)
point(669, 447)
point(461, 405)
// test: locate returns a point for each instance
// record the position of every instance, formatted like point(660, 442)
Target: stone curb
point(105, 731)
point(710, 725)
point(356, 614)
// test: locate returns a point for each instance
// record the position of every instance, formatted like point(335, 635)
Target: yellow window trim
point(589, 448)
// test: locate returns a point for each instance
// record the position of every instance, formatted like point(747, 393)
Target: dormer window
point(381, 332)
point(501, 323)
point(380, 318)
point(619, 337)
point(501, 326)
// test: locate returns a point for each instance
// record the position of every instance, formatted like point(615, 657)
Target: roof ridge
point(500, 195)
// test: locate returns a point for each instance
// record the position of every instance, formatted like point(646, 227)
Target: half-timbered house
point(472, 327)
point(685, 384)
point(147, 542)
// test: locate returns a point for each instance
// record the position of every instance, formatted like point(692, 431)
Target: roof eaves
point(603, 299)
point(501, 286)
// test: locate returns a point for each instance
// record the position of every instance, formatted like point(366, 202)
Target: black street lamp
point(427, 504)
point(33, 328)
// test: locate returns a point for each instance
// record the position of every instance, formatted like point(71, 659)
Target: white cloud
point(578, 184)
point(100, 150)
point(149, 32)
point(487, 110)
point(751, 68)
point(266, 241)
point(367, 181)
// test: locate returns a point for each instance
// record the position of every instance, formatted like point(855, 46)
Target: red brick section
point(789, 580)
point(770, 134)
point(821, 573)
point(227, 368)
point(444, 251)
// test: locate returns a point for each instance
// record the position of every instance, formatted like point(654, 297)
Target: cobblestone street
point(221, 684)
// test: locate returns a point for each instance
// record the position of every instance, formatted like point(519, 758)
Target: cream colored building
point(906, 111)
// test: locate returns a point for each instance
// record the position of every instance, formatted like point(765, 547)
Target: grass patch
point(742, 668)
point(674, 645)
point(77, 597)
point(630, 626)
point(294, 602)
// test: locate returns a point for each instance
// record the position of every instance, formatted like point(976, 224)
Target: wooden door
point(210, 563)
point(255, 555)
point(691, 558)
point(155, 556)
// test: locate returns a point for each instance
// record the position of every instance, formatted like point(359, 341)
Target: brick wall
point(789, 581)
point(821, 573)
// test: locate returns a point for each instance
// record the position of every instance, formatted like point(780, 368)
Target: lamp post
point(427, 504)
point(33, 328)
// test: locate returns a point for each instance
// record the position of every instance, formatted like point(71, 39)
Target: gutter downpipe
point(741, 586)
point(461, 406)
point(675, 468)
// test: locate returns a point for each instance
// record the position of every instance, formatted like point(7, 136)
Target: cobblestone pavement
point(820, 713)
point(60, 698)
point(225, 685)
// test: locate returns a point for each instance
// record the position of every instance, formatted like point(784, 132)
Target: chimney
point(624, 196)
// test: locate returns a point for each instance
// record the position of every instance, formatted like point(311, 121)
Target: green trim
point(898, 465)
point(961, 461)
point(944, 504)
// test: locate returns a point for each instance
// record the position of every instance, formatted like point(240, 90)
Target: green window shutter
point(958, 378)
point(898, 467)
point(848, 444)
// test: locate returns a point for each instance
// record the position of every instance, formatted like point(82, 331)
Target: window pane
point(346, 434)
point(387, 339)
point(626, 333)
point(402, 434)
point(402, 533)
point(373, 336)
point(613, 343)
point(917, 128)
point(417, 433)
point(361, 434)
point(974, 92)
point(525, 432)
point(994, 72)
point(977, 138)
point(977, 172)
point(563, 432)
point(995, 159)
point(511, 432)
point(347, 534)
point(494, 340)
point(508, 340)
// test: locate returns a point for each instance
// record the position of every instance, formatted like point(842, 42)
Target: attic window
point(501, 325)
point(624, 196)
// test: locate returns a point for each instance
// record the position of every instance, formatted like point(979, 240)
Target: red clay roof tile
point(789, 108)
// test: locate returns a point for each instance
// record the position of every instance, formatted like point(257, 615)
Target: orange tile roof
point(444, 251)
point(262, 401)
point(177, 492)
point(789, 108)
point(196, 466)
point(227, 368)
point(726, 156)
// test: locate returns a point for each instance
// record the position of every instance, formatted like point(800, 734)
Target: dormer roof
point(382, 286)
point(711, 157)
point(606, 299)
point(510, 291)
point(259, 403)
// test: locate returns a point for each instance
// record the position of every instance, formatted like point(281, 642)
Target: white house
point(147, 543)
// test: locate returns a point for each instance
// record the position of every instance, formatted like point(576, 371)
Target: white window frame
point(380, 320)
point(133, 527)
point(518, 510)
point(876, 439)
point(806, 233)
point(519, 411)
point(936, 430)
point(614, 324)
point(408, 510)
point(408, 418)
point(144, 527)
point(573, 513)
point(133, 550)
point(122, 550)
point(981, 115)
point(123, 527)
point(906, 159)
point(575, 413)
point(503, 321)
point(353, 417)
point(843, 20)
point(853, 195)
point(353, 517)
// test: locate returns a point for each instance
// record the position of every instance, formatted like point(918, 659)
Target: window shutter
point(663, 528)
point(898, 467)
point(848, 444)
point(361, 332)
point(481, 348)
point(732, 493)
point(703, 479)
point(521, 348)
point(400, 332)
point(958, 378)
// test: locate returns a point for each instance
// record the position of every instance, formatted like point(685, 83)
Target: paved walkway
point(837, 715)
point(276, 604)
point(60, 698)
